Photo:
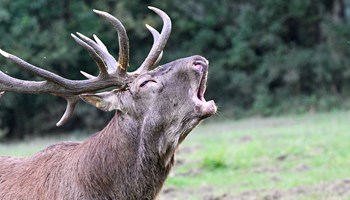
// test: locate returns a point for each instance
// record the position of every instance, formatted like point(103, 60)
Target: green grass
point(254, 156)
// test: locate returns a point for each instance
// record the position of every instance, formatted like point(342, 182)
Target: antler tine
point(87, 75)
point(99, 42)
point(113, 66)
point(123, 60)
point(94, 55)
point(155, 35)
point(160, 43)
point(109, 62)
point(71, 104)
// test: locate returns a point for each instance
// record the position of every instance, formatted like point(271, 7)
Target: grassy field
point(302, 157)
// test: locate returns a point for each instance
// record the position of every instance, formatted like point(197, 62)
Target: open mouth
point(202, 86)
point(206, 108)
point(201, 65)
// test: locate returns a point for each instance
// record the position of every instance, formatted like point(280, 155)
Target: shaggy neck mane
point(127, 159)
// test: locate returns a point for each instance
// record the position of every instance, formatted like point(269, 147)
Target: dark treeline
point(266, 56)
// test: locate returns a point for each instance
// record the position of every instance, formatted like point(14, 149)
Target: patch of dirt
point(282, 157)
point(192, 172)
point(267, 169)
point(339, 190)
point(245, 139)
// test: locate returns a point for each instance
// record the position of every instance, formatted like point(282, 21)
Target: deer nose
point(201, 64)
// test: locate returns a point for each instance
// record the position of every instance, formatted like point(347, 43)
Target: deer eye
point(147, 81)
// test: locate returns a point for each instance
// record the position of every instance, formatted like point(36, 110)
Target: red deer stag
point(130, 158)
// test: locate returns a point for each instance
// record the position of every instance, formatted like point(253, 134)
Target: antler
point(111, 72)
point(160, 41)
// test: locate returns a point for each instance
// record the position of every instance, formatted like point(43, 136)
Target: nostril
point(198, 66)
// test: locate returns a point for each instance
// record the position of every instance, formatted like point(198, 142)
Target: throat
point(120, 156)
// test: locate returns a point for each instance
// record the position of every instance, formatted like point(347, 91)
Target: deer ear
point(101, 101)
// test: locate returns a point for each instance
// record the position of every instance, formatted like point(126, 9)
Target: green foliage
point(267, 57)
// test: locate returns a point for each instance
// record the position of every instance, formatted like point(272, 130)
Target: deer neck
point(124, 154)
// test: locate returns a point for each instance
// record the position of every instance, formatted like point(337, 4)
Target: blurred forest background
point(267, 57)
